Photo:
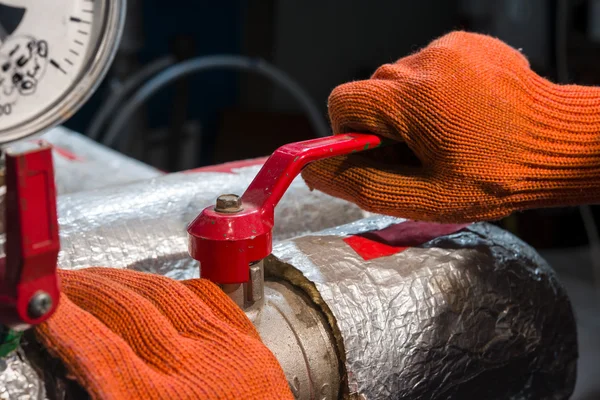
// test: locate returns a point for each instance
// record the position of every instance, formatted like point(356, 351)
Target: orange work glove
point(131, 335)
point(489, 135)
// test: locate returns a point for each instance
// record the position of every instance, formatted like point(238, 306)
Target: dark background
point(223, 115)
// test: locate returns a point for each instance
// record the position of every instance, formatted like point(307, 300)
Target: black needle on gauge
point(3, 33)
point(10, 18)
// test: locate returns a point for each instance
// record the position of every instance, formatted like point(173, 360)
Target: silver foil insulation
point(143, 225)
point(475, 314)
point(472, 315)
point(19, 380)
point(82, 164)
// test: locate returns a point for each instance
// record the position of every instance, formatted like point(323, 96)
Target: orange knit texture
point(491, 137)
point(130, 335)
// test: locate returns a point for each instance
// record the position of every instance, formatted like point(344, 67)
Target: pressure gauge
point(53, 54)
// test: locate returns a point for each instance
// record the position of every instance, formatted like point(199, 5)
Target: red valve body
point(226, 243)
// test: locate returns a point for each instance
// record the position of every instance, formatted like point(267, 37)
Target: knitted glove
point(130, 335)
point(488, 135)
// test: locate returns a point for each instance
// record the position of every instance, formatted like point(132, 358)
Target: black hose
point(112, 103)
point(115, 133)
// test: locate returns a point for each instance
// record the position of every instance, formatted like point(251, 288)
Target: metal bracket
point(249, 296)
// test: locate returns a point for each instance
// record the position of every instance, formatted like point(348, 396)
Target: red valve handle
point(226, 243)
point(29, 290)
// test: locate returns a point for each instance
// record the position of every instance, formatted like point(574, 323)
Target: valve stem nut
point(39, 304)
point(228, 203)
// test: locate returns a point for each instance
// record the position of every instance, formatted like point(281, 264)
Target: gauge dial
point(52, 56)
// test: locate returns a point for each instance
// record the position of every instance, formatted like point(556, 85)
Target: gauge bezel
point(86, 83)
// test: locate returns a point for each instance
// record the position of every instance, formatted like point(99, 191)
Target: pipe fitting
point(299, 336)
point(292, 327)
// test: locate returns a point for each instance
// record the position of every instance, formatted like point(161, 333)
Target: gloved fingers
point(222, 306)
point(223, 363)
point(354, 178)
point(482, 47)
point(132, 317)
point(402, 99)
point(363, 106)
point(100, 360)
point(412, 194)
point(190, 312)
point(386, 106)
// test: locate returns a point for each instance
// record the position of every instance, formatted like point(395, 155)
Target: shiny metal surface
point(256, 285)
point(298, 335)
point(248, 296)
point(19, 380)
point(39, 305)
point(475, 314)
point(295, 330)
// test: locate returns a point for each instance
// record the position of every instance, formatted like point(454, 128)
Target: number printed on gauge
point(53, 54)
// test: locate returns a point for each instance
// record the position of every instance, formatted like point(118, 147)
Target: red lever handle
point(226, 242)
point(28, 282)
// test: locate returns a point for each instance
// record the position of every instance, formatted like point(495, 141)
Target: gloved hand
point(489, 135)
point(130, 335)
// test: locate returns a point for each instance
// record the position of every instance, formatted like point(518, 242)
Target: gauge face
point(52, 55)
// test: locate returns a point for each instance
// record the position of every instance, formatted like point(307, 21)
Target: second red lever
point(29, 290)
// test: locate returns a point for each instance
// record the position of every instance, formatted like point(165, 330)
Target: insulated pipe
point(474, 314)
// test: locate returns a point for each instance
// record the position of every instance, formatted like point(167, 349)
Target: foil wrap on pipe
point(82, 164)
point(19, 380)
point(143, 225)
point(474, 314)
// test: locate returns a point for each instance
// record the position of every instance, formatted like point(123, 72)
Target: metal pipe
point(298, 334)
point(295, 330)
point(474, 314)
